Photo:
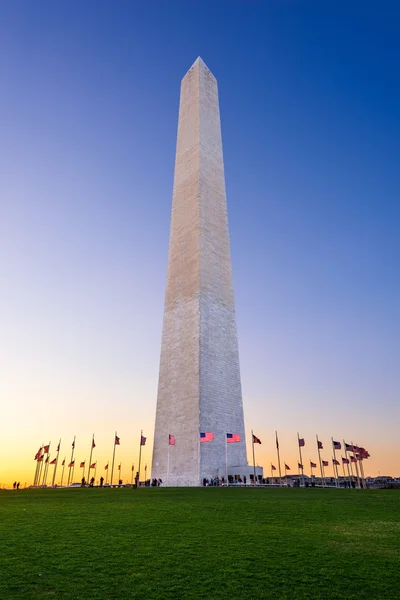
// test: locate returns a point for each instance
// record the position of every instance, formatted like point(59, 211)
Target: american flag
point(231, 438)
point(325, 463)
point(273, 468)
point(301, 442)
point(171, 440)
point(313, 465)
point(345, 461)
point(320, 446)
point(82, 464)
point(337, 445)
point(142, 440)
point(117, 440)
point(206, 437)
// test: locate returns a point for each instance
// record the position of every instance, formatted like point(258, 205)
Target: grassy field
point(199, 543)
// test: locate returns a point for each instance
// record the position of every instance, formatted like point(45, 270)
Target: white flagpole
point(56, 465)
point(70, 478)
point(168, 464)
point(362, 473)
point(226, 458)
point(344, 472)
point(46, 468)
point(358, 476)
point(320, 462)
point(279, 458)
point(349, 468)
point(90, 459)
point(335, 465)
point(62, 472)
point(254, 459)
point(113, 459)
point(301, 460)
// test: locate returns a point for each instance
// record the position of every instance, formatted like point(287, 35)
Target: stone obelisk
point(199, 386)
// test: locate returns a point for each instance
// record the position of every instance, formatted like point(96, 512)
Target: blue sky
point(310, 96)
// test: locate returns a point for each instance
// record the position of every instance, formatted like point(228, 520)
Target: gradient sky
point(310, 110)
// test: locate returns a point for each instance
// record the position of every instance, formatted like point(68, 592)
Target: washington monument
point(199, 389)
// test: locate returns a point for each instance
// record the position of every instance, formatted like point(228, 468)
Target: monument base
point(242, 471)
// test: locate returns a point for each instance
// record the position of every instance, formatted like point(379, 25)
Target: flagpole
point(106, 470)
point(200, 482)
point(140, 454)
point(226, 458)
point(344, 472)
point(95, 470)
point(301, 460)
point(254, 459)
point(350, 469)
point(311, 467)
point(168, 464)
point(46, 466)
point(72, 458)
point(43, 470)
point(335, 465)
point(83, 471)
point(90, 459)
point(362, 473)
point(35, 480)
point(62, 472)
point(36, 468)
point(320, 462)
point(279, 458)
point(40, 470)
point(358, 476)
point(360, 461)
point(113, 459)
point(56, 465)
point(357, 471)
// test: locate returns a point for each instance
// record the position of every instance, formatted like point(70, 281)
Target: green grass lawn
point(199, 543)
